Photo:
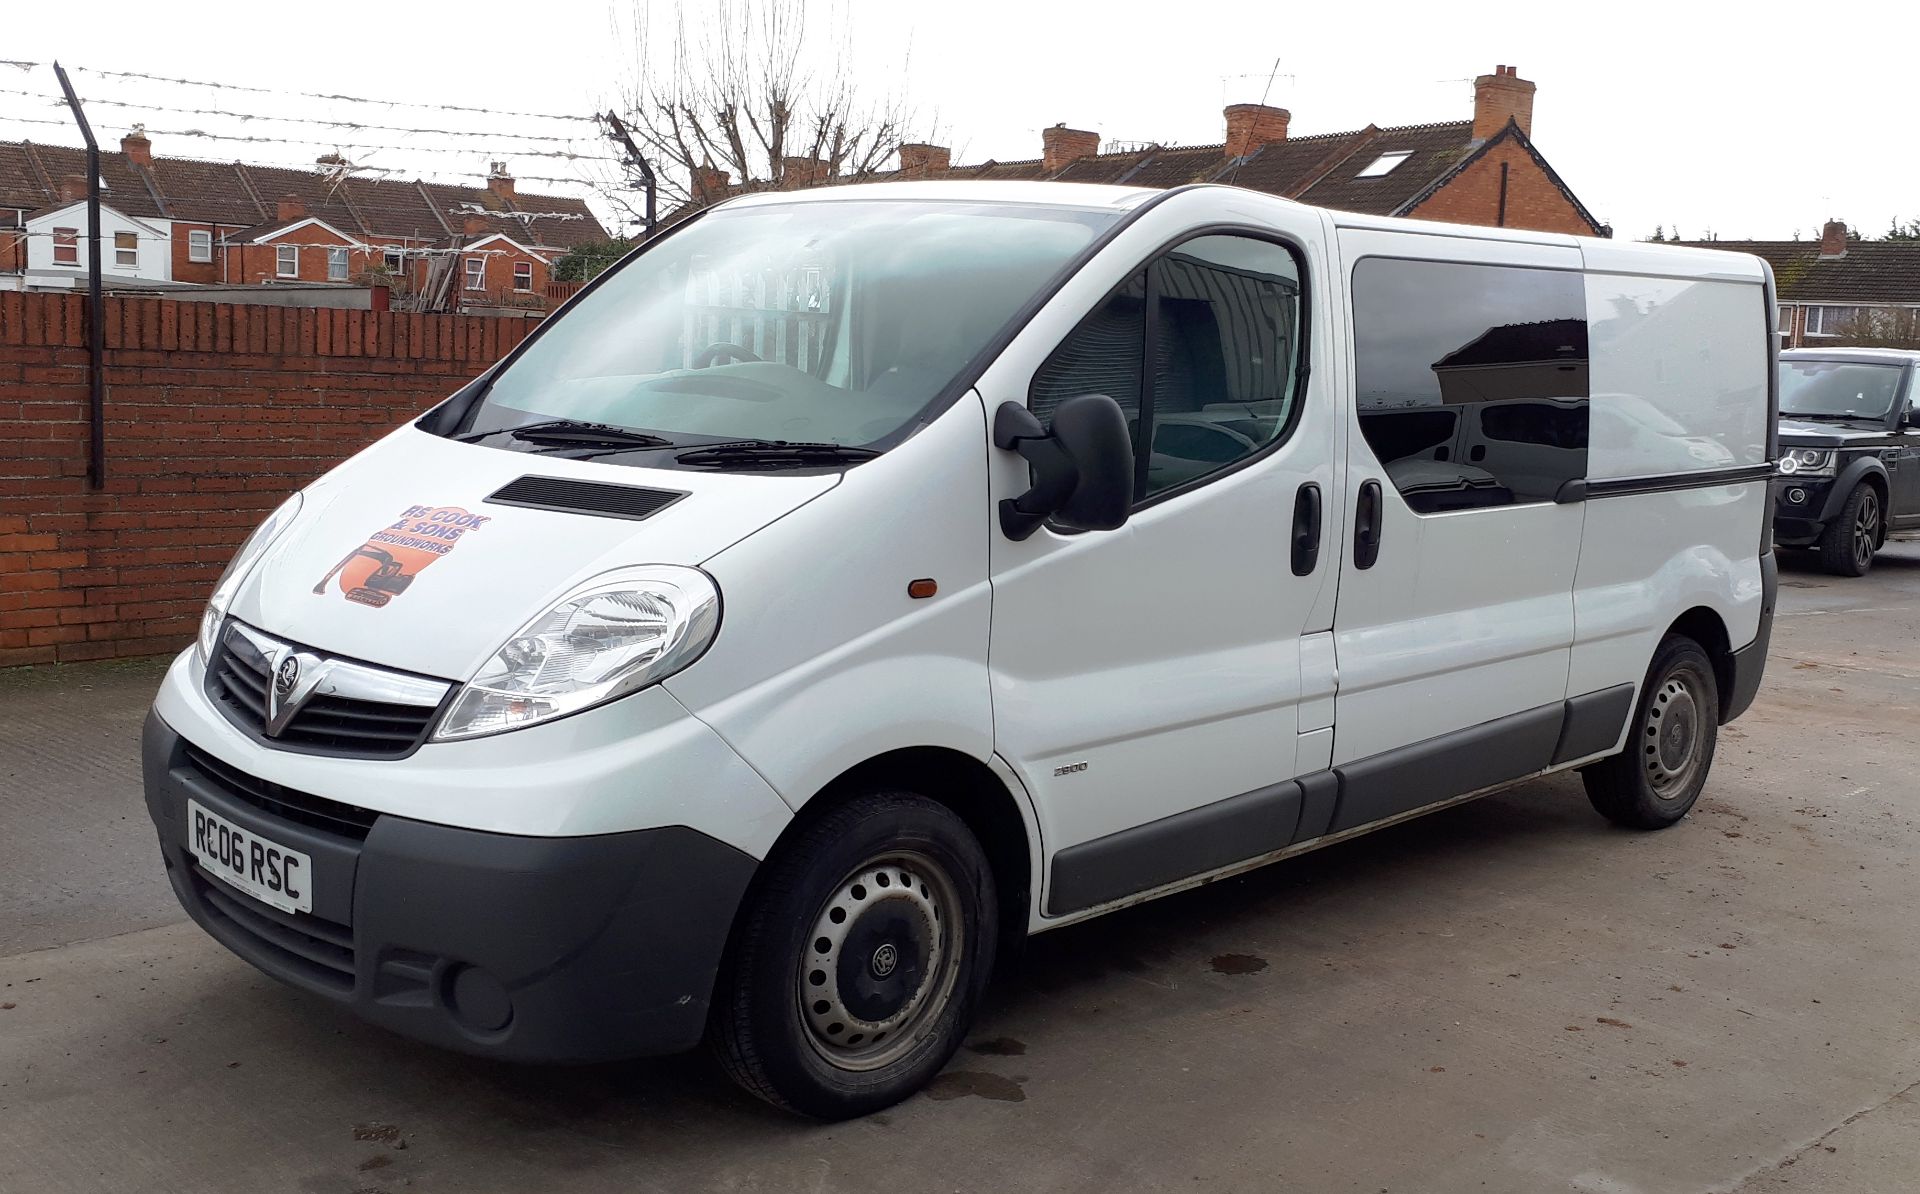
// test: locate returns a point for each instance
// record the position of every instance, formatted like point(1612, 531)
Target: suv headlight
point(1805, 461)
point(613, 635)
point(242, 563)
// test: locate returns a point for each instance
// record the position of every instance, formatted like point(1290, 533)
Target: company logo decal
point(380, 569)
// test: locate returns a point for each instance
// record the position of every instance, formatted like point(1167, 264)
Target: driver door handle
point(1306, 529)
point(1366, 526)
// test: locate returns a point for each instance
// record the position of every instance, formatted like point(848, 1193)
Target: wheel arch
point(1706, 627)
point(996, 815)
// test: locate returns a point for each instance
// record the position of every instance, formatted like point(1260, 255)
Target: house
point(1484, 170)
point(225, 223)
point(1839, 291)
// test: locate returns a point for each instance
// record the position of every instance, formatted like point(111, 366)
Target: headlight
point(613, 635)
point(1801, 461)
point(242, 563)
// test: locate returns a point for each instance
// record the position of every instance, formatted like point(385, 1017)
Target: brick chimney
point(73, 188)
point(710, 183)
point(1250, 126)
point(1833, 239)
point(292, 207)
point(919, 160)
point(1062, 146)
point(500, 182)
point(796, 173)
point(1498, 98)
point(137, 147)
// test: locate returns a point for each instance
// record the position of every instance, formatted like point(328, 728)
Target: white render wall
point(153, 246)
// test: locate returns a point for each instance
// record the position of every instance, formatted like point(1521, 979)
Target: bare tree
point(1881, 327)
point(752, 88)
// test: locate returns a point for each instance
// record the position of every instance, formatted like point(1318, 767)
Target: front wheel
point(1850, 541)
point(1654, 781)
point(861, 958)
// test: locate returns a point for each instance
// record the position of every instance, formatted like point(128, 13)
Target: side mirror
point(1082, 467)
point(1913, 416)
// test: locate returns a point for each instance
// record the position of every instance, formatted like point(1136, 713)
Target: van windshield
point(811, 323)
point(1838, 389)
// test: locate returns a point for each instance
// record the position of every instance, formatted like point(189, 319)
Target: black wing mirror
point(1082, 466)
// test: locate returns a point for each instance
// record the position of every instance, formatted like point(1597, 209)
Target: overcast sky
point(1735, 120)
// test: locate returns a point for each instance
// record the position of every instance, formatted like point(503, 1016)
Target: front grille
point(327, 723)
point(314, 812)
point(320, 951)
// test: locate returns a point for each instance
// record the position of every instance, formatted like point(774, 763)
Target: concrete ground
point(1508, 996)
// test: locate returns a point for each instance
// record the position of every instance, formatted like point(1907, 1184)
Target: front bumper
point(524, 948)
point(1798, 523)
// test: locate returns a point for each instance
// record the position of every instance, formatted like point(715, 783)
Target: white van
point(851, 583)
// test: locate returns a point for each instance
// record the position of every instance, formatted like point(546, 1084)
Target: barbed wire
point(369, 248)
point(351, 99)
point(59, 101)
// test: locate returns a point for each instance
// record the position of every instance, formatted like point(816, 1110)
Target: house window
point(336, 265)
point(199, 245)
point(126, 249)
point(523, 275)
point(1830, 321)
point(286, 261)
point(66, 246)
point(476, 273)
point(395, 261)
point(1384, 164)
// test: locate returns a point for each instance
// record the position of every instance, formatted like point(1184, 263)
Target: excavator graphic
point(383, 567)
point(386, 580)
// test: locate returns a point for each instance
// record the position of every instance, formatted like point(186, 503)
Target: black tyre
point(1656, 778)
point(1848, 543)
point(858, 964)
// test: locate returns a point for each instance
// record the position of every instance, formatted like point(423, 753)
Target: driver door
point(1148, 681)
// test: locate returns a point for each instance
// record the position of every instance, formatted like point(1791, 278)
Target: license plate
point(265, 870)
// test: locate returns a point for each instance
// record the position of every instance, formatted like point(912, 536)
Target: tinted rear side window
point(1471, 380)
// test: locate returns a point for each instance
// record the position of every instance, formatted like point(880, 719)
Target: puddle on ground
point(958, 1084)
point(1000, 1046)
point(1239, 964)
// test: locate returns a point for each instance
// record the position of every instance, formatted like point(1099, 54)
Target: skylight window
point(1385, 163)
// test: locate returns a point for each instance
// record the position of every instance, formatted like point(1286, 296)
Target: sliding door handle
point(1306, 529)
point(1366, 526)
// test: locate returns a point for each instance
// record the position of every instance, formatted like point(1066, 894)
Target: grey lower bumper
point(530, 949)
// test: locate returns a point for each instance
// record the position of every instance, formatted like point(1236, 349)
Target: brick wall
point(214, 413)
point(1533, 202)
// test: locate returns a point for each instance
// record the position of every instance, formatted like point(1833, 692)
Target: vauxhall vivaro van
point(850, 583)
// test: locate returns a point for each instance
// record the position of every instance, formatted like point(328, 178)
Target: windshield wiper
point(762, 453)
point(573, 431)
point(1837, 415)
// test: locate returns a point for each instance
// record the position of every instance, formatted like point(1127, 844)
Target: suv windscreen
point(1855, 389)
point(820, 322)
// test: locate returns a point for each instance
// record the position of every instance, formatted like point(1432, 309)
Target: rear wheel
point(857, 969)
point(1654, 781)
point(1850, 540)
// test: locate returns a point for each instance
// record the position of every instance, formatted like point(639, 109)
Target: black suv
point(1849, 470)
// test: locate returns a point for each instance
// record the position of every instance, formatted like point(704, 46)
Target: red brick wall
point(501, 258)
point(185, 270)
point(1533, 202)
point(214, 413)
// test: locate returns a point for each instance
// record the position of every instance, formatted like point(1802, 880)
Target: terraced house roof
point(231, 194)
point(1377, 170)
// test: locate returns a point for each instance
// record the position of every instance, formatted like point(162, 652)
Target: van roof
point(1608, 255)
point(1850, 354)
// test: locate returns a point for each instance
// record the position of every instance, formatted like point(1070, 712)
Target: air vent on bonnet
point(584, 497)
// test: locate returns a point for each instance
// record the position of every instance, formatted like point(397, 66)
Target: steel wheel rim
point(899, 912)
point(1866, 529)
point(1672, 736)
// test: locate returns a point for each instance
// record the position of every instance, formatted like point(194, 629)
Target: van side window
point(1218, 318)
point(1471, 380)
